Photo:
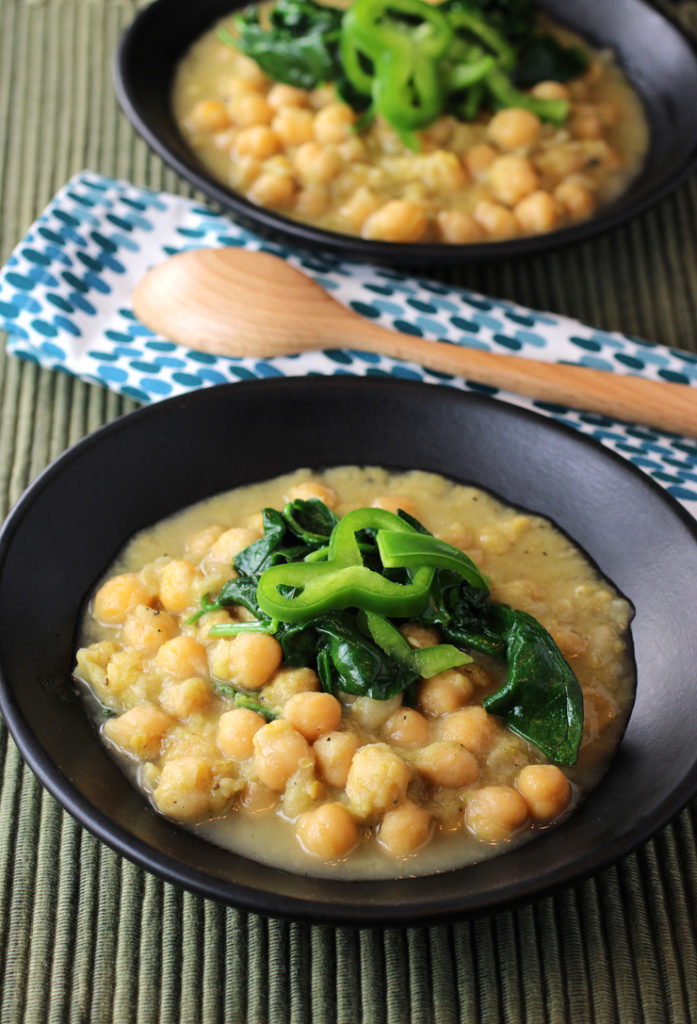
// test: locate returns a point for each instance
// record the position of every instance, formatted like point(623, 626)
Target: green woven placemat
point(87, 937)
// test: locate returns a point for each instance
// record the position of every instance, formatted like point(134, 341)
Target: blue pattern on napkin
point(65, 304)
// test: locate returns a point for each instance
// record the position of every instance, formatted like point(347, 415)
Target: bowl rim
point(269, 222)
point(277, 904)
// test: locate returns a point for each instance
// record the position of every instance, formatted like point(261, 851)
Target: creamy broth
point(165, 716)
point(500, 176)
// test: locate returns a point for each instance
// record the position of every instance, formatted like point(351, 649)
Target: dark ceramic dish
point(657, 57)
point(79, 513)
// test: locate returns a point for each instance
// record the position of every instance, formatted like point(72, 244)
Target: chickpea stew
point(255, 754)
point(503, 170)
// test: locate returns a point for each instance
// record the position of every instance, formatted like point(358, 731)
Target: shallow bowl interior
point(657, 56)
point(78, 514)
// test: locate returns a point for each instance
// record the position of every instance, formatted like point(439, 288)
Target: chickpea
point(245, 171)
point(199, 542)
point(333, 753)
point(274, 190)
point(322, 95)
point(278, 750)
point(236, 732)
point(250, 109)
point(511, 178)
point(550, 91)
point(418, 636)
point(317, 163)
point(407, 728)
point(333, 123)
point(444, 693)
point(230, 543)
point(479, 158)
point(443, 172)
point(493, 813)
point(308, 489)
point(313, 714)
point(221, 617)
point(184, 790)
point(358, 207)
point(440, 131)
point(397, 221)
point(293, 125)
point(371, 714)
point(560, 161)
point(236, 87)
point(139, 730)
point(457, 227)
point(289, 681)
point(249, 660)
point(119, 596)
point(404, 829)
point(497, 220)
point(148, 628)
point(182, 656)
point(546, 790)
point(395, 503)
point(352, 150)
point(327, 831)
point(377, 780)
point(312, 201)
point(249, 71)
point(209, 116)
point(473, 727)
point(282, 97)
point(183, 699)
point(258, 141)
point(449, 764)
point(536, 213)
point(575, 200)
point(176, 580)
point(257, 798)
point(586, 125)
point(513, 128)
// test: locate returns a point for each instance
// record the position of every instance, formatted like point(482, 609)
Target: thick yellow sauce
point(499, 177)
point(169, 724)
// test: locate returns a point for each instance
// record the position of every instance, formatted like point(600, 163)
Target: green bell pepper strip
point(425, 661)
point(463, 76)
point(506, 95)
point(343, 581)
point(399, 550)
point(406, 86)
point(359, 78)
point(486, 34)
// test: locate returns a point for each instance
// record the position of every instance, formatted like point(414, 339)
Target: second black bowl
point(657, 57)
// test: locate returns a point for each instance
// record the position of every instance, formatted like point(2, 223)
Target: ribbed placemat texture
point(86, 937)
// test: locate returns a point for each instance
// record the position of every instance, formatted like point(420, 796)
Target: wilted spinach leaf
point(299, 46)
point(260, 555)
point(542, 58)
point(311, 521)
point(353, 663)
point(541, 699)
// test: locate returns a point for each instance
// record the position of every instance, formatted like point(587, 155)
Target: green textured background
point(87, 937)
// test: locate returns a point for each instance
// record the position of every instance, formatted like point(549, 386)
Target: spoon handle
point(669, 406)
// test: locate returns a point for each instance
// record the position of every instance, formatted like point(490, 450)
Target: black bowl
point(658, 58)
point(73, 520)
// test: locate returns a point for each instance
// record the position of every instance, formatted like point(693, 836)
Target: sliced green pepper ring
point(343, 581)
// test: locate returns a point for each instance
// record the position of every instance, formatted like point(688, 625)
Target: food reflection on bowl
point(143, 467)
point(515, 162)
point(657, 59)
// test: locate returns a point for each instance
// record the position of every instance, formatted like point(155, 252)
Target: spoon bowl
point(237, 303)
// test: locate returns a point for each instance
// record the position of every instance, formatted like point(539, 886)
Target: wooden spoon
point(237, 303)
